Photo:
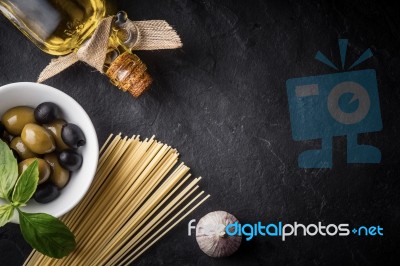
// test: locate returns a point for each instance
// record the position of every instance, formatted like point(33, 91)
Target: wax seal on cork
point(129, 73)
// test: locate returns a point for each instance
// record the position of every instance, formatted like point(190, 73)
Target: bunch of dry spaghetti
point(139, 194)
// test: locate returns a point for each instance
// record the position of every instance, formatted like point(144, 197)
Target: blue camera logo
point(339, 104)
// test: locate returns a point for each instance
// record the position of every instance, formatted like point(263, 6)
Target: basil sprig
point(8, 171)
point(26, 185)
point(6, 212)
point(43, 232)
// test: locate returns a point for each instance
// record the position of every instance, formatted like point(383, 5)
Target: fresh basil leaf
point(6, 213)
point(26, 184)
point(47, 234)
point(8, 171)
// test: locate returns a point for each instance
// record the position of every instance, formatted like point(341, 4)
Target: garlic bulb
point(211, 235)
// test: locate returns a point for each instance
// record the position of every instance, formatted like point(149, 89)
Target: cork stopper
point(129, 73)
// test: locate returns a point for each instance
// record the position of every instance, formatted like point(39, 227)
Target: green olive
point(19, 146)
point(55, 129)
point(59, 176)
point(44, 168)
point(37, 139)
point(16, 118)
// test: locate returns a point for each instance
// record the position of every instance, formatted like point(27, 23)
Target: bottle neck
point(125, 70)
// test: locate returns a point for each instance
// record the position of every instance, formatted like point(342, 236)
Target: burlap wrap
point(151, 35)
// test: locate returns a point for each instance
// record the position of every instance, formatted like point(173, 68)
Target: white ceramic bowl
point(32, 94)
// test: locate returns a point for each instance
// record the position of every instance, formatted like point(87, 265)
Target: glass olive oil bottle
point(60, 27)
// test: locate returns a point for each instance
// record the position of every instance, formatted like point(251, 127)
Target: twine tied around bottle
point(149, 35)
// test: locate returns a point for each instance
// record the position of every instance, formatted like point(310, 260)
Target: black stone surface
point(221, 101)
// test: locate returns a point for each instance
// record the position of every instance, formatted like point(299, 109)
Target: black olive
point(7, 137)
point(73, 136)
point(70, 160)
point(1, 130)
point(47, 112)
point(46, 192)
point(16, 155)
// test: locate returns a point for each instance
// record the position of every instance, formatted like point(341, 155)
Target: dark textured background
point(221, 101)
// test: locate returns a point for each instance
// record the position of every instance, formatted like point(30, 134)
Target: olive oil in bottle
point(60, 27)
